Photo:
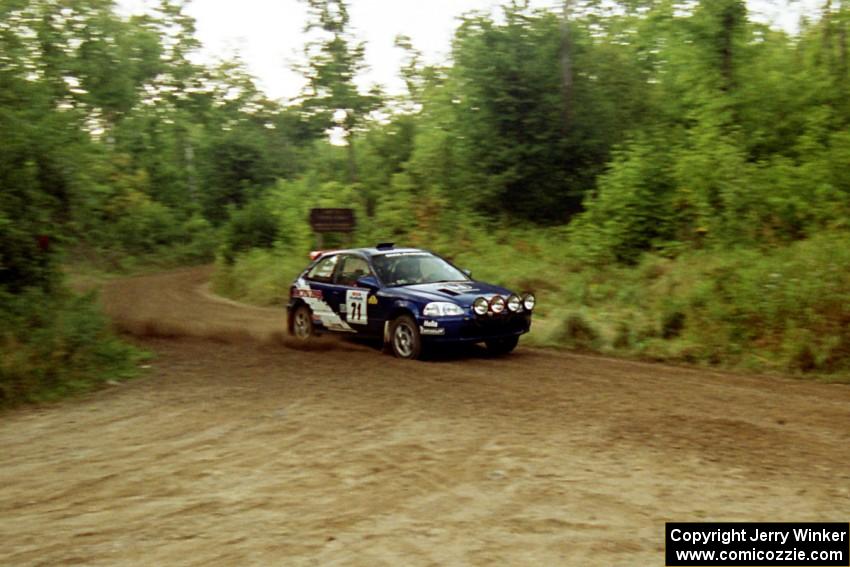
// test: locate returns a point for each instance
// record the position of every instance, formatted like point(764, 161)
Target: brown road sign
point(332, 220)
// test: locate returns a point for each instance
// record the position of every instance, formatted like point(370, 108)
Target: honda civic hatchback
point(412, 299)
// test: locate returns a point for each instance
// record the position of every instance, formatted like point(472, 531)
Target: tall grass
point(55, 345)
point(260, 276)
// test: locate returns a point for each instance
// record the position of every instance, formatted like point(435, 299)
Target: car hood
point(462, 293)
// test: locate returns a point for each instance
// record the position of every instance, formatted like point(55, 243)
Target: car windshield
point(406, 268)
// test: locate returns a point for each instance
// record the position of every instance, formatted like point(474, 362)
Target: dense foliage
point(53, 344)
point(588, 146)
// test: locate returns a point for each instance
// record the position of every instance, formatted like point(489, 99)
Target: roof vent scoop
point(385, 245)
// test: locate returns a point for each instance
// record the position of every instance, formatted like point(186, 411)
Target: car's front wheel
point(502, 346)
point(405, 339)
point(302, 323)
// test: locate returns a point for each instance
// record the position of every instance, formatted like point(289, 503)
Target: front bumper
point(467, 329)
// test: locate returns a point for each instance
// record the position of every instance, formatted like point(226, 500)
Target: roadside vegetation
point(55, 345)
point(670, 177)
point(783, 310)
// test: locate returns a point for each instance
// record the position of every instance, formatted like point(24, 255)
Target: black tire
point(302, 323)
point(405, 340)
point(502, 346)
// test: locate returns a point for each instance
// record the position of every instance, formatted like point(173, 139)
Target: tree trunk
point(827, 35)
point(566, 66)
point(729, 24)
point(192, 182)
point(840, 22)
point(352, 163)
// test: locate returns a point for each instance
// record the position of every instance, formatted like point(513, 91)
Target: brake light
point(316, 254)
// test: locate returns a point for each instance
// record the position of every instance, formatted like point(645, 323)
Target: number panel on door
point(356, 306)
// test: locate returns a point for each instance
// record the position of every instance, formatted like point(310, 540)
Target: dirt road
point(236, 448)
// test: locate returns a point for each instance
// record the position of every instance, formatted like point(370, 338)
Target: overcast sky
point(269, 33)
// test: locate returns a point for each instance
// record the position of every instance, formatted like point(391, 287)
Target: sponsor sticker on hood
point(459, 288)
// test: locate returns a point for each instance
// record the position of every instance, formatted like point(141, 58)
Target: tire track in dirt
point(238, 449)
point(178, 304)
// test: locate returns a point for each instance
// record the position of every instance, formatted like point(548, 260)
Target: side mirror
point(467, 271)
point(368, 281)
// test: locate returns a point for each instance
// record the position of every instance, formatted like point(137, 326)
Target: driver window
point(353, 267)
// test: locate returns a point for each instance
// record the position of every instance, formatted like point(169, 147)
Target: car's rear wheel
point(502, 346)
point(302, 323)
point(405, 339)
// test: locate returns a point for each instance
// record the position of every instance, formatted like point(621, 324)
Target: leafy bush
point(252, 226)
point(134, 229)
point(54, 345)
point(576, 332)
point(632, 211)
point(672, 324)
point(201, 240)
point(142, 225)
point(788, 309)
point(623, 339)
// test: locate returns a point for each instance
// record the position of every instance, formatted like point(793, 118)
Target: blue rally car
point(411, 298)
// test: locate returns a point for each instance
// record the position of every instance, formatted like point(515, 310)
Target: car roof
point(369, 252)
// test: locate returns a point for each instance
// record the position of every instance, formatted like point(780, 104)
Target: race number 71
point(355, 302)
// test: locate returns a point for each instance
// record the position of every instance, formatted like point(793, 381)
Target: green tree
point(536, 121)
point(332, 98)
